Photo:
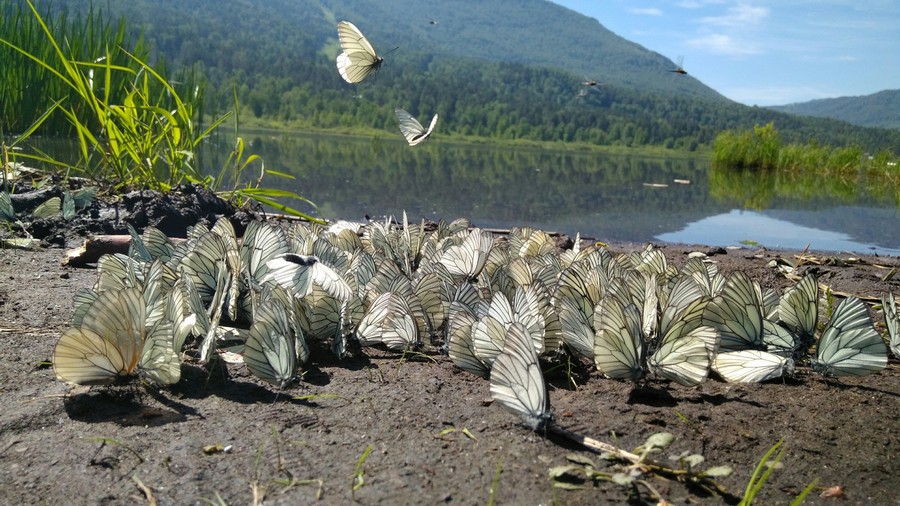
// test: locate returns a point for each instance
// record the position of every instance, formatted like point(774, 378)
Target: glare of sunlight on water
point(731, 228)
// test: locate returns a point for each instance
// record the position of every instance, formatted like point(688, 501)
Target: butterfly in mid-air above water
point(358, 59)
point(414, 132)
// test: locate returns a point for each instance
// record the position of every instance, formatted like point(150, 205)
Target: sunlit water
point(605, 197)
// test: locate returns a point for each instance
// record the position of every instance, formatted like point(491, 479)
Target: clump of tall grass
point(757, 148)
point(761, 149)
point(27, 89)
point(133, 127)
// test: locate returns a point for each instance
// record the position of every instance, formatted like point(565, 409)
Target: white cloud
point(718, 43)
point(739, 15)
point(696, 4)
point(647, 11)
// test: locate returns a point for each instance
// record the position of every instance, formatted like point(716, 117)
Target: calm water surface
point(606, 197)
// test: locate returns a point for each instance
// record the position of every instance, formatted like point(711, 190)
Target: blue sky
point(766, 52)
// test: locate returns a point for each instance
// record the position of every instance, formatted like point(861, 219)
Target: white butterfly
point(468, 258)
point(849, 345)
point(297, 273)
point(751, 366)
point(414, 132)
point(517, 382)
point(798, 308)
point(7, 213)
point(389, 320)
point(112, 344)
point(737, 313)
point(619, 341)
point(461, 348)
point(892, 321)
point(270, 351)
point(358, 59)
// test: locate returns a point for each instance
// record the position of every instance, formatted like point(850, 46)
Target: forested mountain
point(516, 75)
point(880, 109)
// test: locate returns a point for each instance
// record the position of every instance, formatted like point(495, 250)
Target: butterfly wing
point(684, 359)
point(358, 59)
point(849, 345)
point(798, 308)
point(84, 357)
point(159, 359)
point(751, 366)
point(414, 132)
point(270, 352)
point(517, 382)
point(737, 314)
point(892, 321)
point(618, 343)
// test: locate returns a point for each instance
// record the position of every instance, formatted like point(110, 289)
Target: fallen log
point(94, 247)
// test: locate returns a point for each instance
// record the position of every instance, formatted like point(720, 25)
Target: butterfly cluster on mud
point(357, 61)
point(499, 307)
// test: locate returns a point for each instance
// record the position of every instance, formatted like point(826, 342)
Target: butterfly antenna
point(391, 51)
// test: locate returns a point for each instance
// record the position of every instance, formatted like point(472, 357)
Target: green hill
point(880, 109)
point(515, 76)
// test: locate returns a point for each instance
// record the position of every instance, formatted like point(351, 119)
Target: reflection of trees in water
point(752, 189)
point(508, 184)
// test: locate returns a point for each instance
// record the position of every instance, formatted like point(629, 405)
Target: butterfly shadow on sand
point(124, 407)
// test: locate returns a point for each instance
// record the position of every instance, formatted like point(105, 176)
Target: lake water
point(606, 197)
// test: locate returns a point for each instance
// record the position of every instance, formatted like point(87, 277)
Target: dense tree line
point(286, 73)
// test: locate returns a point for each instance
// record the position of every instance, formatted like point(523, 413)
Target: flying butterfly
point(358, 59)
point(410, 127)
point(517, 382)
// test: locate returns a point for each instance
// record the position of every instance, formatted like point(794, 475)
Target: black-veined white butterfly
point(390, 321)
point(468, 258)
point(7, 213)
point(517, 382)
point(798, 308)
point(737, 314)
point(297, 273)
point(849, 345)
point(683, 358)
point(358, 59)
point(751, 366)
point(461, 348)
point(410, 127)
point(113, 344)
point(270, 351)
point(892, 321)
point(619, 340)
point(48, 209)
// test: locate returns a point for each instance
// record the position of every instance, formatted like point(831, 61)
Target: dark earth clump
point(221, 436)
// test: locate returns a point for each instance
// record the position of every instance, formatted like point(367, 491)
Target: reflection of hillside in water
point(599, 195)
